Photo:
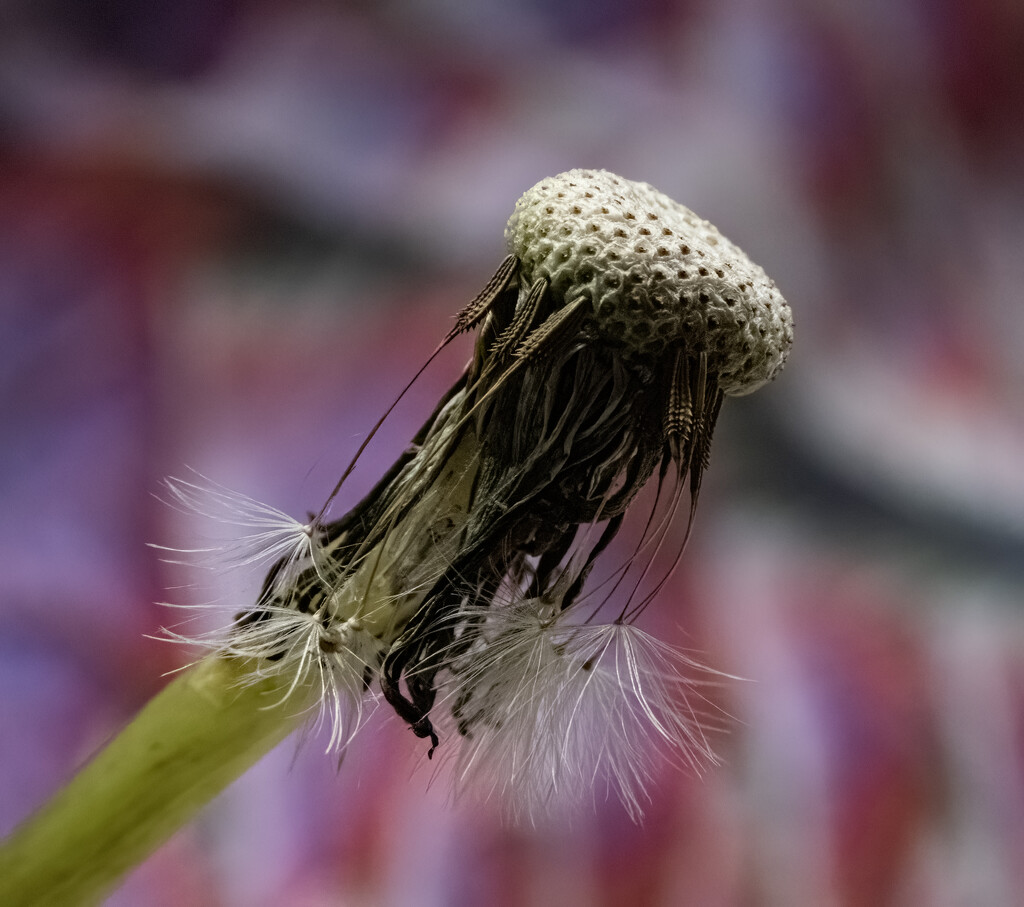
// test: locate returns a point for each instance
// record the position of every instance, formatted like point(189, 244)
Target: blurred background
point(230, 231)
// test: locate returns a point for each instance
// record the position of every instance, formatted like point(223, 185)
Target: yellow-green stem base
point(188, 743)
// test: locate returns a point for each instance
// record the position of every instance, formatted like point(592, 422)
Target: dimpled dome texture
point(656, 274)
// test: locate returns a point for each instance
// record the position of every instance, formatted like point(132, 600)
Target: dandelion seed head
point(607, 341)
point(656, 274)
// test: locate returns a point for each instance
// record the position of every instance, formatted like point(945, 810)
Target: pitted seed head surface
point(657, 275)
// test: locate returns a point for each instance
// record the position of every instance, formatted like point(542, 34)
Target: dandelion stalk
point(200, 733)
point(189, 742)
point(458, 588)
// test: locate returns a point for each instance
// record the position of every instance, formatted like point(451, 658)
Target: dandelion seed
point(260, 534)
point(607, 342)
point(552, 711)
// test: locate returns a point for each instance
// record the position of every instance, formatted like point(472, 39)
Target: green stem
point(211, 723)
point(192, 740)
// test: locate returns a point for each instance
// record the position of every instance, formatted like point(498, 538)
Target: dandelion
point(608, 339)
point(606, 343)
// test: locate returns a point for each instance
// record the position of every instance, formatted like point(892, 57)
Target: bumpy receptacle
point(656, 274)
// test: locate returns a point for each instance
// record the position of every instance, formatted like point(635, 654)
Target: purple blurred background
point(230, 231)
